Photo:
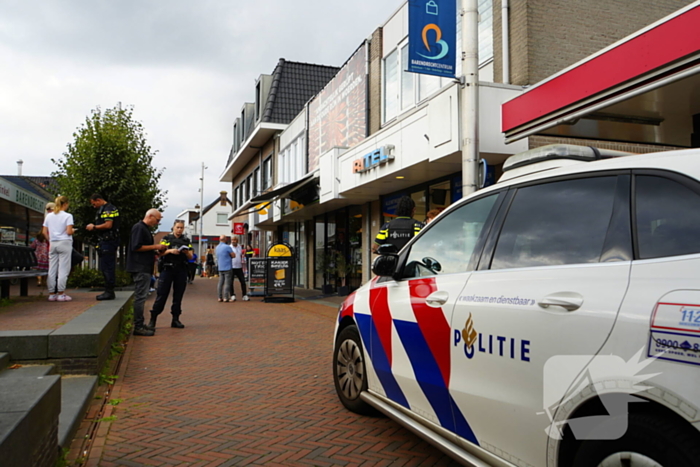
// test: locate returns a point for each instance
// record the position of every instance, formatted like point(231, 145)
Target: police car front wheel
point(349, 373)
point(649, 441)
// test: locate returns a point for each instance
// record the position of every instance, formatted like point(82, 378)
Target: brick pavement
point(35, 312)
point(245, 383)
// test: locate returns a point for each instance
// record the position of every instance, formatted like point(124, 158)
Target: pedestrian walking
point(40, 245)
point(107, 227)
point(400, 230)
point(192, 268)
point(173, 274)
point(224, 255)
point(210, 263)
point(139, 262)
point(58, 228)
point(237, 270)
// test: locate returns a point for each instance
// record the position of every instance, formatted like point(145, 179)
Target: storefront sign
point(238, 228)
point(19, 196)
point(257, 272)
point(279, 276)
point(432, 37)
point(279, 249)
point(373, 159)
point(338, 114)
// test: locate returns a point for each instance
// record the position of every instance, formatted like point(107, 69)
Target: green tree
point(109, 156)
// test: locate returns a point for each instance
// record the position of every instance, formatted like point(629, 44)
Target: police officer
point(174, 267)
point(400, 230)
point(107, 227)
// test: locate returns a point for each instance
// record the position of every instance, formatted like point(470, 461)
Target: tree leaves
point(110, 156)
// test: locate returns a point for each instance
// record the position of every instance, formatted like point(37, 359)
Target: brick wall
point(45, 452)
point(539, 140)
point(550, 35)
point(375, 82)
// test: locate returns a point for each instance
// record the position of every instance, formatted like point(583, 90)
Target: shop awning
point(641, 89)
point(282, 191)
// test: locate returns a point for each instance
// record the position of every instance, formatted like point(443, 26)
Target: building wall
point(537, 141)
point(375, 81)
point(547, 36)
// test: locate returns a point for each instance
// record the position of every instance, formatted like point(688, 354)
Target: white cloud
point(186, 67)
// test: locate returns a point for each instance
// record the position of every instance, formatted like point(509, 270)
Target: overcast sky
point(186, 67)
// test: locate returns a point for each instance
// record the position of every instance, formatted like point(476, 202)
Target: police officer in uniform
point(174, 261)
point(400, 230)
point(107, 227)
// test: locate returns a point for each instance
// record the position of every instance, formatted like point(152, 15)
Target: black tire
point(349, 373)
point(668, 442)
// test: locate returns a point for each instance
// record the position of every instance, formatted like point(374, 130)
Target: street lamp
point(201, 212)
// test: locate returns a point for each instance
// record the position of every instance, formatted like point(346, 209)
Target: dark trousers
point(191, 271)
point(177, 278)
point(241, 278)
point(108, 262)
point(142, 282)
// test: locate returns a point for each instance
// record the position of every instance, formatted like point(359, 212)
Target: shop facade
point(22, 209)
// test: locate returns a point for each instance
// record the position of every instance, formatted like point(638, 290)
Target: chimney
point(222, 197)
point(19, 166)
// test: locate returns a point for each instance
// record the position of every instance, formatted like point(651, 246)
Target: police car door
point(550, 282)
point(412, 315)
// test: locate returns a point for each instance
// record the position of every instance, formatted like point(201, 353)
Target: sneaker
point(246, 298)
point(221, 300)
point(64, 298)
point(53, 297)
point(233, 299)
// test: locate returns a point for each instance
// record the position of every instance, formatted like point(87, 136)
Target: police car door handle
point(437, 299)
point(570, 301)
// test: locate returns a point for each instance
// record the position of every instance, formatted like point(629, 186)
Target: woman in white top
point(58, 228)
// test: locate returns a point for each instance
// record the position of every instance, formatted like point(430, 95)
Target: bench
point(17, 262)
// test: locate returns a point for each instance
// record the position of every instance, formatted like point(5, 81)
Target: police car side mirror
point(387, 249)
point(385, 265)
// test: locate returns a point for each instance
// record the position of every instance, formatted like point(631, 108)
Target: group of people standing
point(57, 237)
point(230, 258)
point(174, 254)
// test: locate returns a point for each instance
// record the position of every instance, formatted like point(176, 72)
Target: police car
point(552, 319)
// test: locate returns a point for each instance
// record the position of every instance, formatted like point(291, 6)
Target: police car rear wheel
point(649, 442)
point(349, 371)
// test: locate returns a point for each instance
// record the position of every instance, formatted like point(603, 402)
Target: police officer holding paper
point(107, 227)
point(400, 230)
point(173, 263)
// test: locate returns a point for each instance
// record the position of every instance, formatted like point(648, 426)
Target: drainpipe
point(470, 96)
point(505, 41)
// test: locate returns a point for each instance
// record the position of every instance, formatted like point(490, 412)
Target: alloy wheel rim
point(350, 369)
point(628, 459)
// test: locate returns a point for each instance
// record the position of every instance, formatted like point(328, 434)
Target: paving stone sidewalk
point(245, 383)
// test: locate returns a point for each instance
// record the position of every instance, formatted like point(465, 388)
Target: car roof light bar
point(559, 151)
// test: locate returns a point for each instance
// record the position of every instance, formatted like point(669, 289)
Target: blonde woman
point(58, 228)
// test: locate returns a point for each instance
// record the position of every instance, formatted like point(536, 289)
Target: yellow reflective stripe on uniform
point(109, 214)
point(165, 242)
point(383, 234)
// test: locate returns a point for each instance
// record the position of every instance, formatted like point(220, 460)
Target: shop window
point(391, 86)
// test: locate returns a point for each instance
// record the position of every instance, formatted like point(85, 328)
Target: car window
point(449, 244)
point(668, 217)
point(556, 223)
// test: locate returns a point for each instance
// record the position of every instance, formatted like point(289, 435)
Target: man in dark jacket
point(107, 227)
point(175, 259)
point(140, 260)
point(399, 231)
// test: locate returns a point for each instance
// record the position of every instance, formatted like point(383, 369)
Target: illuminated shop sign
point(373, 159)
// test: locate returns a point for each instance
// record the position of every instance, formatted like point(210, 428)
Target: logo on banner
point(432, 37)
point(238, 228)
point(444, 48)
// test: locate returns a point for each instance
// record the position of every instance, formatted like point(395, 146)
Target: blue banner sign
point(432, 37)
